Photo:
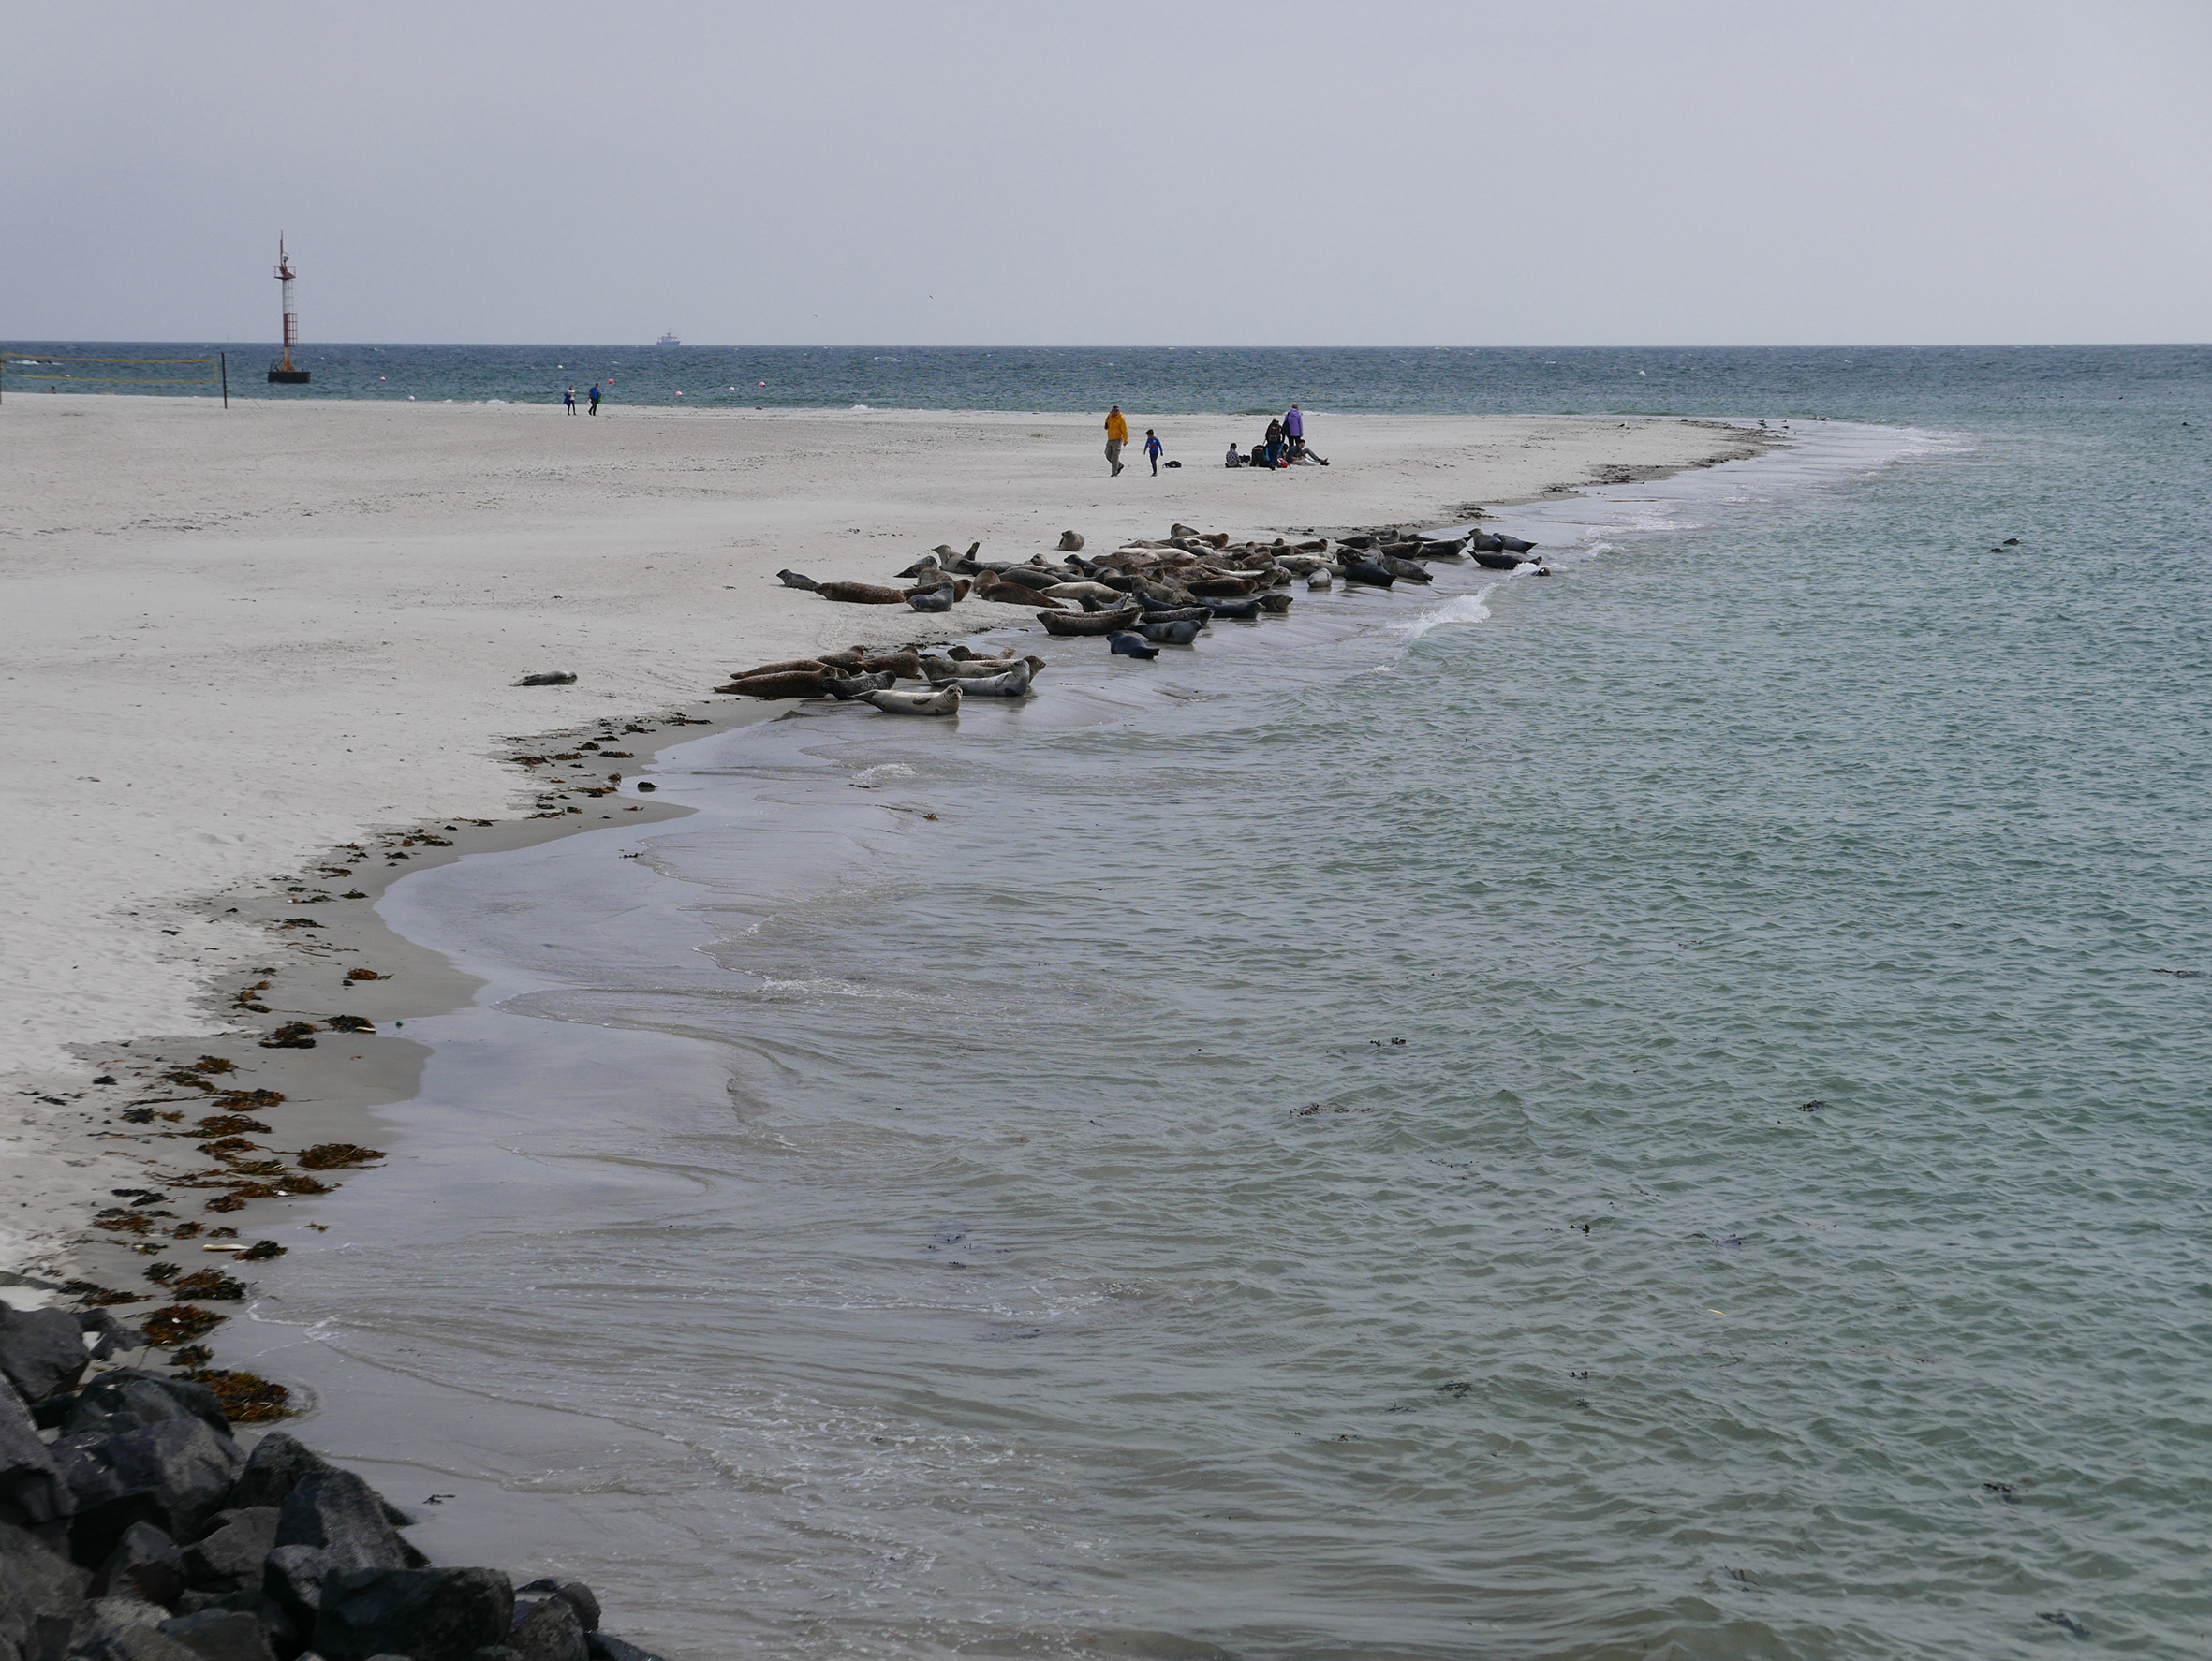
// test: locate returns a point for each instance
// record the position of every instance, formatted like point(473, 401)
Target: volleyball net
point(30, 368)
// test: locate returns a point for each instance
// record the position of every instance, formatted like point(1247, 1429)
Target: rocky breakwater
point(134, 1527)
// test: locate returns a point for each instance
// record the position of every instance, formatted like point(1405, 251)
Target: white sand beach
point(236, 637)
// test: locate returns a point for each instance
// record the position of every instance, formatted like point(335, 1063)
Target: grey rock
point(547, 1629)
point(39, 1590)
point(144, 1565)
point(279, 1464)
point(137, 1643)
point(575, 1594)
point(129, 1398)
point(42, 1352)
point(111, 1336)
point(121, 1629)
point(338, 1511)
point(221, 1635)
point(431, 1614)
point(228, 1558)
point(281, 1630)
point(276, 1466)
point(291, 1578)
point(173, 1475)
point(32, 1492)
point(612, 1649)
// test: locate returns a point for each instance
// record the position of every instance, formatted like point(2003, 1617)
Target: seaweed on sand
point(212, 1284)
point(245, 1398)
point(338, 1155)
point(180, 1323)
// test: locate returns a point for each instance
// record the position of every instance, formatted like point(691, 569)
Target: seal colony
point(1142, 596)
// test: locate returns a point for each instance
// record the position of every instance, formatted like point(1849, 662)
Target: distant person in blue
point(1294, 426)
point(595, 397)
point(1152, 450)
point(568, 398)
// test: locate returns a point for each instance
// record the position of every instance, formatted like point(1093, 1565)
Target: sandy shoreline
point(246, 641)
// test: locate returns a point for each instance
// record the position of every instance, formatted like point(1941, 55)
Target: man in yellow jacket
point(1117, 435)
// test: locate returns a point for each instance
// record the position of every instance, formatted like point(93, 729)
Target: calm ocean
point(1660, 1111)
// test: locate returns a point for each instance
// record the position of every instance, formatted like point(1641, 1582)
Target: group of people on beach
point(569, 398)
point(1284, 445)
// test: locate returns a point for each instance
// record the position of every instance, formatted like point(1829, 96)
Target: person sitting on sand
point(1237, 456)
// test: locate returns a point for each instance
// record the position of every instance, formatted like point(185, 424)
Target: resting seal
point(1070, 542)
point(940, 670)
point(940, 598)
point(1091, 622)
point(792, 684)
point(847, 687)
point(945, 700)
point(1013, 594)
point(906, 665)
point(1014, 682)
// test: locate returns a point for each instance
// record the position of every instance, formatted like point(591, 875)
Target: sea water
point(1661, 1109)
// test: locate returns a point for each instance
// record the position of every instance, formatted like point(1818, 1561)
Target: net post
point(223, 369)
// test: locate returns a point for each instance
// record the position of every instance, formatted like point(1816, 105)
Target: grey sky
point(1706, 171)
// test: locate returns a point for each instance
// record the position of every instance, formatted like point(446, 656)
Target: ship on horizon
point(668, 340)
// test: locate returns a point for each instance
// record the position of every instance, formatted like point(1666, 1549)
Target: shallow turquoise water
point(1657, 1112)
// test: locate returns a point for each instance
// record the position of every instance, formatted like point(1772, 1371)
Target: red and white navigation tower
point(284, 373)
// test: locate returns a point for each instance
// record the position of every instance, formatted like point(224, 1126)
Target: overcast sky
point(1560, 172)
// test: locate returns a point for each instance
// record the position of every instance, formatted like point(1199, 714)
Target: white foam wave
point(870, 778)
point(1460, 608)
point(826, 986)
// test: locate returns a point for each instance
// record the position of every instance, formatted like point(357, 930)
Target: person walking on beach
point(595, 397)
point(1152, 450)
point(1117, 435)
point(1274, 443)
point(568, 398)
